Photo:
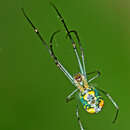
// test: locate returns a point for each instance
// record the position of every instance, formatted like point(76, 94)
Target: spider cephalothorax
point(80, 81)
point(78, 77)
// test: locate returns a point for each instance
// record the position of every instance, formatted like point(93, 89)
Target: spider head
point(78, 78)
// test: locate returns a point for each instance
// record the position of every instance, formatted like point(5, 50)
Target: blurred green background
point(33, 90)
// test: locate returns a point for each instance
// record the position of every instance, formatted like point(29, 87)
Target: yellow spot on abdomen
point(91, 110)
point(101, 104)
point(91, 92)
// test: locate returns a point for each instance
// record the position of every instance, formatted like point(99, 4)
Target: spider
point(89, 96)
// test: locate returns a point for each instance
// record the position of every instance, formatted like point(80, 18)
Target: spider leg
point(78, 117)
point(58, 64)
point(69, 97)
point(70, 37)
point(96, 76)
point(81, 49)
point(113, 102)
point(35, 29)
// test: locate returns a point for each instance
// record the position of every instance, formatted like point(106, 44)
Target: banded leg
point(35, 29)
point(81, 49)
point(58, 64)
point(69, 97)
point(70, 37)
point(96, 76)
point(78, 117)
point(113, 102)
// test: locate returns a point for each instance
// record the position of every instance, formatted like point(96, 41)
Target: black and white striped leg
point(113, 102)
point(78, 117)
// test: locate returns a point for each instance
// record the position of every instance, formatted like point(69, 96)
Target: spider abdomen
point(91, 100)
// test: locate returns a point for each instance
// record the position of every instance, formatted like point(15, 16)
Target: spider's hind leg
point(78, 117)
point(113, 102)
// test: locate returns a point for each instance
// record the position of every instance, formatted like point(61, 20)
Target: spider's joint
point(57, 64)
point(74, 45)
point(36, 30)
point(61, 19)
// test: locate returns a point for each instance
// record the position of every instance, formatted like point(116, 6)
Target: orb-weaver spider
point(90, 98)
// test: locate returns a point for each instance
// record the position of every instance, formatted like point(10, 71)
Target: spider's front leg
point(71, 39)
point(81, 50)
point(49, 48)
point(58, 64)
